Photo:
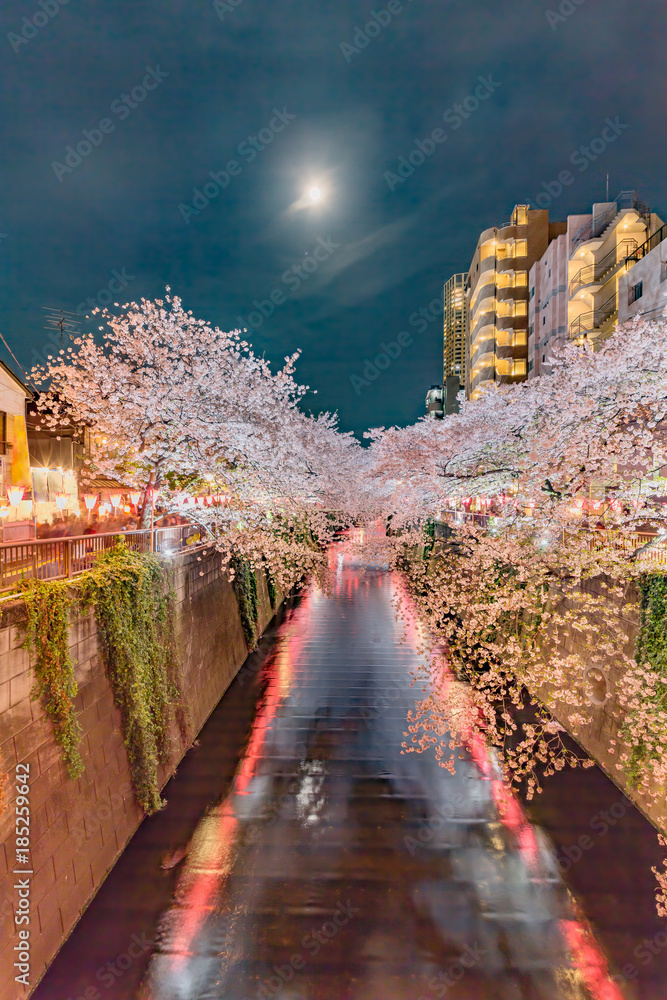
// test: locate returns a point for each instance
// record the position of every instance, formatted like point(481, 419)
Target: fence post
point(68, 557)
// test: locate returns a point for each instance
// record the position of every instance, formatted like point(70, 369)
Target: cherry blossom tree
point(175, 404)
point(534, 596)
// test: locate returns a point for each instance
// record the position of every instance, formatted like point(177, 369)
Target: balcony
point(595, 227)
point(601, 271)
point(594, 322)
point(651, 243)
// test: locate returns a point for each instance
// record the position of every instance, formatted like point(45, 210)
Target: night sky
point(217, 75)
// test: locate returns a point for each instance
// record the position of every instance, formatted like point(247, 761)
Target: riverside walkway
point(303, 856)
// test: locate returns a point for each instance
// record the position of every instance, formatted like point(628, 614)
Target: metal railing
point(597, 225)
point(603, 269)
point(649, 552)
point(62, 558)
point(594, 319)
point(650, 244)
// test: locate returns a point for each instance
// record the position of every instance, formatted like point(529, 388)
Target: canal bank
point(315, 860)
point(79, 827)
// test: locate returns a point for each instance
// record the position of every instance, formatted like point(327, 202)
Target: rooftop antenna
point(66, 322)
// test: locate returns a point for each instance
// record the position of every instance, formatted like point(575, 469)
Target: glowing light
point(116, 499)
point(315, 194)
point(61, 501)
point(4, 511)
point(15, 494)
point(90, 499)
point(135, 497)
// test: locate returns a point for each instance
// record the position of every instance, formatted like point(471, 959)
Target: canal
point(302, 855)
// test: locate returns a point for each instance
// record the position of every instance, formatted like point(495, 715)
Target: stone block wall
point(603, 701)
point(78, 828)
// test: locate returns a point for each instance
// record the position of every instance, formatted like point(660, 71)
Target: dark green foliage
point(136, 631)
point(47, 636)
point(652, 649)
point(245, 587)
point(272, 589)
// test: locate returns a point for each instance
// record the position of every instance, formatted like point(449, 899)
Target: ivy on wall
point(245, 588)
point(134, 612)
point(135, 620)
point(651, 649)
point(47, 637)
point(272, 589)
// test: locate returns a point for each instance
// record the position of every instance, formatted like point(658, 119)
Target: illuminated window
point(520, 338)
point(504, 366)
point(520, 215)
point(521, 279)
point(519, 367)
point(521, 248)
point(521, 308)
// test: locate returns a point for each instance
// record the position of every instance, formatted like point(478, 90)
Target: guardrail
point(600, 538)
point(62, 558)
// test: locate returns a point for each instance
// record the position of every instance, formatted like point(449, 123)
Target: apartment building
point(497, 297)
point(574, 286)
point(642, 285)
point(454, 329)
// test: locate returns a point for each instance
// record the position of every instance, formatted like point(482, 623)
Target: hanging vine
point(245, 587)
point(271, 588)
point(645, 728)
point(47, 637)
point(136, 631)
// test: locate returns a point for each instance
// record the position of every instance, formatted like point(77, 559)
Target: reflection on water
point(338, 868)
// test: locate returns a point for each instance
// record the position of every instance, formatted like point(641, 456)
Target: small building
point(435, 402)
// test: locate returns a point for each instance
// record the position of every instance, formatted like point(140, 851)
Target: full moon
point(315, 194)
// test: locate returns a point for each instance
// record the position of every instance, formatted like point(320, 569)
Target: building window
point(531, 365)
point(531, 329)
point(521, 279)
point(521, 248)
point(544, 319)
point(520, 215)
point(519, 367)
point(636, 292)
point(532, 292)
point(663, 270)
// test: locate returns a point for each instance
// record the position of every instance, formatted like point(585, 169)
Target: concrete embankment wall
point(78, 828)
point(603, 702)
